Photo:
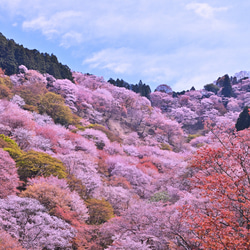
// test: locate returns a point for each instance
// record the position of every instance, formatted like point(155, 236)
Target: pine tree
point(227, 90)
point(243, 120)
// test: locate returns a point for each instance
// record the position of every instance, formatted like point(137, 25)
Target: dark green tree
point(141, 88)
point(225, 83)
point(243, 120)
point(212, 87)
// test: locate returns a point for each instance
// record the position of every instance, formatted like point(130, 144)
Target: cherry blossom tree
point(139, 181)
point(185, 116)
point(84, 168)
point(118, 197)
point(98, 137)
point(162, 100)
point(15, 117)
point(68, 90)
point(26, 219)
point(9, 180)
point(141, 225)
point(23, 137)
point(18, 100)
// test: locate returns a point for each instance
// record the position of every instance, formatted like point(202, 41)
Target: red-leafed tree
point(223, 181)
point(8, 242)
point(146, 166)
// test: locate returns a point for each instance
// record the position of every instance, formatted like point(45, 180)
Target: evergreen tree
point(225, 82)
point(243, 120)
point(211, 87)
point(141, 88)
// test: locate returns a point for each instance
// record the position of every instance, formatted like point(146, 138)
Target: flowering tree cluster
point(94, 166)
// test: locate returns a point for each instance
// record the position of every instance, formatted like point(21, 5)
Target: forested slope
point(12, 55)
point(89, 165)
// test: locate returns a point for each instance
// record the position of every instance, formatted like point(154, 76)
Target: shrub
point(10, 146)
point(32, 164)
point(191, 137)
point(5, 92)
point(160, 196)
point(165, 146)
point(211, 87)
point(100, 211)
point(53, 105)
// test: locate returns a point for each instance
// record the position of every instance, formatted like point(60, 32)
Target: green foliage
point(160, 196)
point(243, 120)
point(12, 55)
point(14, 153)
point(53, 105)
point(199, 145)
point(100, 211)
point(5, 80)
point(31, 108)
point(5, 92)
point(33, 163)
point(165, 146)
point(212, 87)
point(5, 88)
point(10, 146)
point(191, 137)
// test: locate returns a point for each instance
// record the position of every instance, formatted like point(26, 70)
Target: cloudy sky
point(182, 43)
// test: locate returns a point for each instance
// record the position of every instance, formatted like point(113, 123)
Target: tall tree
point(222, 218)
point(243, 120)
point(225, 83)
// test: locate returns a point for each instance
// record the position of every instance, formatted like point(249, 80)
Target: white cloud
point(186, 67)
point(177, 42)
point(115, 60)
point(204, 9)
point(60, 24)
point(70, 39)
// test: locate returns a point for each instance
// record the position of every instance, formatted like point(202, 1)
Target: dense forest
point(85, 164)
point(12, 55)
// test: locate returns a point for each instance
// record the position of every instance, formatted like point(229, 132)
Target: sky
point(181, 43)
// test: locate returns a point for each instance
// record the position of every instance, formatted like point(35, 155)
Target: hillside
point(12, 55)
point(89, 165)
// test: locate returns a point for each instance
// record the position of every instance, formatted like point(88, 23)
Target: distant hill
point(12, 55)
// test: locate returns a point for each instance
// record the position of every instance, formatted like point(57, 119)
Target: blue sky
point(182, 43)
